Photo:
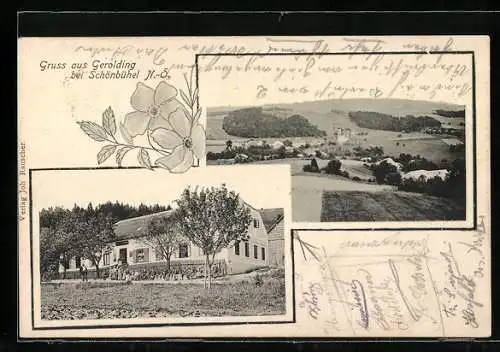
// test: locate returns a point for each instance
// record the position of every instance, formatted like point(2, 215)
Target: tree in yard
point(229, 144)
point(163, 234)
point(57, 240)
point(95, 231)
point(212, 219)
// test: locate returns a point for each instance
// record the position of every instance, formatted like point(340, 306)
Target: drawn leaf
point(121, 153)
point(185, 98)
point(126, 136)
point(105, 153)
point(195, 94)
point(144, 160)
point(93, 130)
point(197, 115)
point(108, 121)
point(191, 78)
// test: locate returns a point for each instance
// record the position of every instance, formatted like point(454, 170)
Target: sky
point(260, 186)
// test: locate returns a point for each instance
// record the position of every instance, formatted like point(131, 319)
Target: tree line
point(256, 123)
point(378, 121)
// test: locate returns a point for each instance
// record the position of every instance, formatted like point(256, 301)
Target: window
point(78, 262)
point(106, 258)
point(247, 250)
point(237, 248)
point(255, 223)
point(255, 252)
point(183, 251)
point(263, 250)
point(141, 255)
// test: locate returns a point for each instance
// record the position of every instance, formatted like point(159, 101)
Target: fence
point(189, 269)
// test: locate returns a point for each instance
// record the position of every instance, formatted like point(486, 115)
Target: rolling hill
point(330, 114)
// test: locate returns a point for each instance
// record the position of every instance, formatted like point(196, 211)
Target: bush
point(333, 167)
point(258, 280)
point(393, 178)
point(344, 174)
point(314, 165)
point(356, 178)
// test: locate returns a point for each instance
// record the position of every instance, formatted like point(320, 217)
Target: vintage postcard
point(288, 187)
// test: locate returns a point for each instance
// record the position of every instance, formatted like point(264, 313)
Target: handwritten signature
point(310, 299)
point(463, 286)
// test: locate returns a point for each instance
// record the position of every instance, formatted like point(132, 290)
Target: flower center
point(154, 111)
point(188, 143)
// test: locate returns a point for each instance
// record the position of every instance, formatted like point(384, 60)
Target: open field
point(70, 301)
point(387, 206)
point(308, 189)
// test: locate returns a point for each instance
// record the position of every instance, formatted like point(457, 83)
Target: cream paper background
point(50, 104)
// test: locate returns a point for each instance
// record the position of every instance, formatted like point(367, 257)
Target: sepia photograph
point(204, 250)
point(353, 159)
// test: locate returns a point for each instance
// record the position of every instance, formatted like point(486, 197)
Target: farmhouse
point(263, 248)
point(426, 174)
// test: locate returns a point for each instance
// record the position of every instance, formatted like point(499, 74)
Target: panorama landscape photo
point(353, 159)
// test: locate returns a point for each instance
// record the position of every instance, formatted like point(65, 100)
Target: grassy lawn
point(387, 206)
point(107, 300)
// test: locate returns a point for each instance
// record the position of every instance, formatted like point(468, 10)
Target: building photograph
point(141, 244)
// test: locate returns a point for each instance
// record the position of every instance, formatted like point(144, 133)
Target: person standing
point(81, 272)
point(84, 272)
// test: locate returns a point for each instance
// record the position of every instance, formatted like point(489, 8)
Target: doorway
point(123, 255)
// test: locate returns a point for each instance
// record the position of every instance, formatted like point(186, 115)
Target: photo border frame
point(474, 132)
point(145, 325)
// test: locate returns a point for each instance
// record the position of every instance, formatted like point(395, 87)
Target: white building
point(426, 174)
point(130, 247)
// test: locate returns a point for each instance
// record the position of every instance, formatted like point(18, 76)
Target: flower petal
point(168, 107)
point(173, 159)
point(167, 139)
point(136, 123)
point(159, 122)
point(185, 164)
point(180, 121)
point(198, 140)
point(164, 92)
point(142, 98)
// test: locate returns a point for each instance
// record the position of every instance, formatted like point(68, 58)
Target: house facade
point(132, 249)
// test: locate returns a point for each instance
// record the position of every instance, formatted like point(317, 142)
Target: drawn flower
point(152, 108)
point(184, 139)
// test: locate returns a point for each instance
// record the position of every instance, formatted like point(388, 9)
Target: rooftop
point(271, 217)
point(135, 227)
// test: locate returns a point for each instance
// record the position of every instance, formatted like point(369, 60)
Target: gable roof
point(135, 227)
point(271, 217)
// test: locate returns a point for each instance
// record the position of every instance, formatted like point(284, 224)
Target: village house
point(264, 247)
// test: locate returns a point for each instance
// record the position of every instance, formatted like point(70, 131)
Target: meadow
point(113, 300)
point(387, 206)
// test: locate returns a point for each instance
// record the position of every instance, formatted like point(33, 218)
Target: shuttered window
point(183, 251)
point(142, 255)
